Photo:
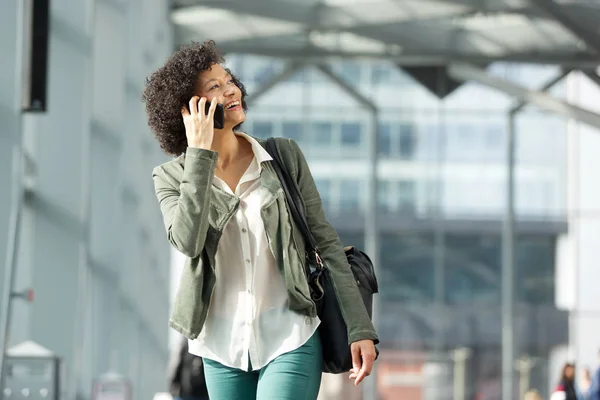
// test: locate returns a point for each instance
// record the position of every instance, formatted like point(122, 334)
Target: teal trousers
point(291, 376)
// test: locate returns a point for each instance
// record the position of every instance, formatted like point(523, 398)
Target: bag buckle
point(318, 259)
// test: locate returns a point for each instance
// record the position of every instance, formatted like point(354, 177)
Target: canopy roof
point(407, 32)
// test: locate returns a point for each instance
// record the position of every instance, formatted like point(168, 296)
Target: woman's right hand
point(199, 127)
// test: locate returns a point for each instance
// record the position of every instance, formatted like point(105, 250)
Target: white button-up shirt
point(248, 320)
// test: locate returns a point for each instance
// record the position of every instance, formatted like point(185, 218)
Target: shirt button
point(249, 291)
point(244, 230)
point(247, 261)
point(307, 320)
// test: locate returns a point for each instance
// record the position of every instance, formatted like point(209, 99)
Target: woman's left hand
point(363, 357)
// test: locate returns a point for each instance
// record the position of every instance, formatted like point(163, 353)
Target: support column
point(508, 250)
point(371, 216)
point(11, 163)
point(508, 267)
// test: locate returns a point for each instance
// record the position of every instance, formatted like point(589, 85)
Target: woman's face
point(569, 373)
point(585, 373)
point(217, 83)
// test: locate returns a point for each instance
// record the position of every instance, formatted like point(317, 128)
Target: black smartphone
point(219, 119)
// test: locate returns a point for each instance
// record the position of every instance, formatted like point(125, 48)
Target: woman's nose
point(229, 92)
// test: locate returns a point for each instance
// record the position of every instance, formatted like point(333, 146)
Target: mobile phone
point(219, 117)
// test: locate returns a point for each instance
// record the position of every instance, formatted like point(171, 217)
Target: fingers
point(362, 374)
point(356, 361)
point(185, 112)
point(213, 107)
point(363, 358)
point(194, 105)
point(366, 369)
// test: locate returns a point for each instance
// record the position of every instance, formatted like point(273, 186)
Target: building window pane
point(384, 195)
point(494, 137)
point(321, 133)
point(385, 142)
point(407, 141)
point(350, 133)
point(263, 129)
point(298, 77)
point(351, 72)
point(263, 75)
point(406, 196)
point(293, 130)
point(349, 195)
point(380, 74)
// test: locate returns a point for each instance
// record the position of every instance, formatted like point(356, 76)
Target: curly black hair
point(171, 87)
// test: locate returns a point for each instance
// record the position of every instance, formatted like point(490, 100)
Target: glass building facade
point(441, 198)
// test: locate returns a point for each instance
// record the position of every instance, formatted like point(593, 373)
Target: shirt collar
point(260, 153)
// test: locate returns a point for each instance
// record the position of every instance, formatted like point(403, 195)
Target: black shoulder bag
point(337, 357)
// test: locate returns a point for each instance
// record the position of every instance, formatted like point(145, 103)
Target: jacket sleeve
point(184, 204)
point(353, 309)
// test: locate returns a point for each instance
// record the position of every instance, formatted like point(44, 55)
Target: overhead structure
point(408, 32)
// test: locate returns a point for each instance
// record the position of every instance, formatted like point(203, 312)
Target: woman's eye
point(214, 87)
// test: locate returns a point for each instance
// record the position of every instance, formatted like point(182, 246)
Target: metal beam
point(297, 12)
point(321, 17)
point(352, 92)
point(313, 16)
point(320, 55)
point(287, 72)
point(542, 100)
point(558, 14)
point(517, 108)
point(593, 76)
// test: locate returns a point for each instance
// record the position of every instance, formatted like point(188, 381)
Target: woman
point(585, 382)
point(566, 386)
point(243, 299)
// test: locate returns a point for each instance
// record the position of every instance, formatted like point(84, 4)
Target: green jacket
point(195, 213)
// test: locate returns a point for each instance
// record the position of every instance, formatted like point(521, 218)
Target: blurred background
point(456, 141)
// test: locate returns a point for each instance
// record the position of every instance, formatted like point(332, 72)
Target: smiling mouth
point(233, 105)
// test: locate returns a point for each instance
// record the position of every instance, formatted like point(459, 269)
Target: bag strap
point(293, 197)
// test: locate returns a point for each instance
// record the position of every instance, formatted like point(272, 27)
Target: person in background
point(584, 383)
point(186, 374)
point(532, 394)
point(566, 386)
point(594, 391)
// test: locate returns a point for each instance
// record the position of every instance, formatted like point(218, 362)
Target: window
point(384, 195)
point(321, 134)
point(495, 137)
point(350, 133)
point(264, 74)
point(385, 142)
point(262, 129)
point(351, 72)
point(406, 196)
point(407, 141)
point(293, 130)
point(349, 195)
point(380, 74)
point(299, 76)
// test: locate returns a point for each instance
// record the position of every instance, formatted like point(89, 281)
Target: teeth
point(235, 103)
